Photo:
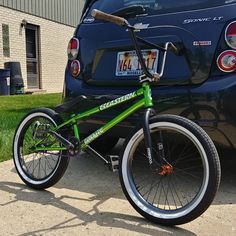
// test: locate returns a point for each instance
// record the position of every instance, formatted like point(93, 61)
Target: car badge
point(88, 20)
point(202, 43)
point(140, 26)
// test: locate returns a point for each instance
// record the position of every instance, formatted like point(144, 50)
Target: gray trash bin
point(5, 81)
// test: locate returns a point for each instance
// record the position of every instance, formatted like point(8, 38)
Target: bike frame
point(145, 101)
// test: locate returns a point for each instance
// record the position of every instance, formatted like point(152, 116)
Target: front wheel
point(180, 186)
point(39, 169)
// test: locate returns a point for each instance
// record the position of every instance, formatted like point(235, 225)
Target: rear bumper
point(211, 105)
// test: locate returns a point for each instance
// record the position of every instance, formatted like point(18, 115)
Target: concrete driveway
point(89, 201)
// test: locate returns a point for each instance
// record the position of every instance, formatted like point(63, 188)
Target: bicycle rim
point(36, 167)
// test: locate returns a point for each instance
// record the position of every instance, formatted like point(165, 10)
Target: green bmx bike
point(169, 168)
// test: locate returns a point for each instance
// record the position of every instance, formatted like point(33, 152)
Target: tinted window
point(174, 5)
point(158, 6)
point(108, 6)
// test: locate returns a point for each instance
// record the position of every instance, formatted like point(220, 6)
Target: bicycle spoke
point(39, 168)
point(187, 173)
point(34, 168)
point(175, 191)
point(149, 191)
point(156, 191)
point(173, 195)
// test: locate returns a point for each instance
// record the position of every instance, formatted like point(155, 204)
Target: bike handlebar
point(123, 22)
point(173, 48)
point(108, 17)
point(99, 15)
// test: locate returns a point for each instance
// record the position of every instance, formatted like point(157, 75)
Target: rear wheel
point(42, 169)
point(181, 186)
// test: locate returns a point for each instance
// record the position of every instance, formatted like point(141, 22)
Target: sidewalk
point(89, 201)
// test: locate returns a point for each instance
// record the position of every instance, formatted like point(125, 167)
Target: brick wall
point(54, 38)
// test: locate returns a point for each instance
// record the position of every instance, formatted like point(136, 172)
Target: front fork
point(147, 134)
point(154, 164)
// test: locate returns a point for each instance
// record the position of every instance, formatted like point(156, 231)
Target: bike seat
point(70, 105)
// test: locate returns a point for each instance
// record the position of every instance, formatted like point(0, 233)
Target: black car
point(199, 84)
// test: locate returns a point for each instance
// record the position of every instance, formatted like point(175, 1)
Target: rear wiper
point(131, 11)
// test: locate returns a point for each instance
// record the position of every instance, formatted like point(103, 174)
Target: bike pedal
point(114, 163)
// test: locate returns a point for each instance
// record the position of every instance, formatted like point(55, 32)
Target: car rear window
point(157, 6)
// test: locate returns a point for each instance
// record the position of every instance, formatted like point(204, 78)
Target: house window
point(6, 40)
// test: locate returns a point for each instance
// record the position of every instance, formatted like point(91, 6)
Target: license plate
point(128, 64)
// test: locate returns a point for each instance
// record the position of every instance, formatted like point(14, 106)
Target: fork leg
point(147, 135)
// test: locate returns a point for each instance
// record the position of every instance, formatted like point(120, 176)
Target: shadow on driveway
point(93, 184)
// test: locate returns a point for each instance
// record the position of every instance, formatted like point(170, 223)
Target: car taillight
point(73, 49)
point(230, 35)
point(75, 68)
point(227, 61)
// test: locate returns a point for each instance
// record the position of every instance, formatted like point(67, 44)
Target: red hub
point(166, 170)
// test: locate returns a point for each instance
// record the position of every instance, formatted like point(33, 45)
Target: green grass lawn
point(12, 109)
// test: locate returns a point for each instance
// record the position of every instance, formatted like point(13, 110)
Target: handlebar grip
point(108, 17)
